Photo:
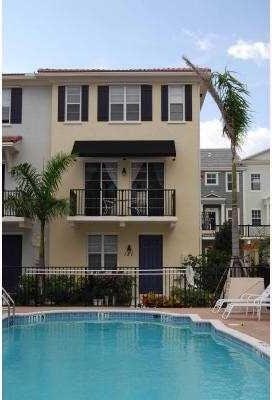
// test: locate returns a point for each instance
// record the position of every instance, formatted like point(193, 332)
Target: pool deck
point(251, 326)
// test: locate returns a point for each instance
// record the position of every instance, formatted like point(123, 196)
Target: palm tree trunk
point(235, 230)
point(42, 246)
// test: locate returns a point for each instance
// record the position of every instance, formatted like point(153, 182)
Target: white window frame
point(255, 190)
point(255, 209)
point(7, 123)
point(80, 103)
point(124, 120)
point(206, 176)
point(102, 248)
point(183, 102)
point(230, 209)
point(237, 181)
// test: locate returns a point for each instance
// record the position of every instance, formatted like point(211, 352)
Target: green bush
point(72, 290)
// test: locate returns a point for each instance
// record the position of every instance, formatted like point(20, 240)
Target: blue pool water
point(122, 359)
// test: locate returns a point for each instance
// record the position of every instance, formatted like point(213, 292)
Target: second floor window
point(73, 103)
point(6, 106)
point(176, 103)
point(229, 182)
point(125, 103)
point(256, 219)
point(255, 182)
point(211, 178)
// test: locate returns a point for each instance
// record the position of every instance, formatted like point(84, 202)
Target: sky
point(217, 34)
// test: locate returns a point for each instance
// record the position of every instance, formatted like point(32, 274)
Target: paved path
point(248, 325)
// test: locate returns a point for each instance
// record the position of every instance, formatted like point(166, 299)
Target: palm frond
point(58, 208)
point(19, 204)
point(52, 175)
point(27, 178)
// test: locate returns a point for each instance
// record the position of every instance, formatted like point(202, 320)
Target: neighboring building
point(216, 191)
point(26, 118)
point(216, 194)
point(257, 190)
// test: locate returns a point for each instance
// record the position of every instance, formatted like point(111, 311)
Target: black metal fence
point(7, 210)
point(74, 286)
point(123, 202)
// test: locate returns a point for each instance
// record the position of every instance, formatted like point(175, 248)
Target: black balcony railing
point(253, 231)
point(123, 202)
point(8, 210)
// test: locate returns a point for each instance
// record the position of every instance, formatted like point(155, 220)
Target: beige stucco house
point(134, 189)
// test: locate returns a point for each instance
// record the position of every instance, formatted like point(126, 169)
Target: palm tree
point(230, 95)
point(35, 194)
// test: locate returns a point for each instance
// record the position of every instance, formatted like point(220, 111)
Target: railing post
point(174, 202)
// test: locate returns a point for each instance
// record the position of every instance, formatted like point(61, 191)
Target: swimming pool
point(130, 355)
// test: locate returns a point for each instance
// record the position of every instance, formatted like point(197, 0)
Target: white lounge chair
point(244, 298)
point(257, 304)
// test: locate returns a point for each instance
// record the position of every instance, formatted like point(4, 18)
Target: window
point(255, 182)
point(125, 103)
point(211, 178)
point(102, 251)
point(6, 106)
point(176, 102)
point(229, 181)
point(256, 219)
point(229, 214)
point(73, 103)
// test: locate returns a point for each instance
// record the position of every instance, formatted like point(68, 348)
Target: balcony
point(123, 205)
point(11, 214)
point(245, 231)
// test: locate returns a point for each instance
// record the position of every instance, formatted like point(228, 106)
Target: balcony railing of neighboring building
point(7, 210)
point(122, 202)
point(245, 231)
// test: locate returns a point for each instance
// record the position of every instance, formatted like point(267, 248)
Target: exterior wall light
point(124, 171)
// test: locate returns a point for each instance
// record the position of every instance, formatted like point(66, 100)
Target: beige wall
point(68, 244)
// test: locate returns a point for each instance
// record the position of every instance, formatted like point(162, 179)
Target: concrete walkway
point(252, 327)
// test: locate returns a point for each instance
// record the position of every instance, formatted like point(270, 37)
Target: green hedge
point(73, 290)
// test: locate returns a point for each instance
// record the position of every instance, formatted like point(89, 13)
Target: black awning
point(124, 148)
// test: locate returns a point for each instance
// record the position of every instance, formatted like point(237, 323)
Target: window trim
point(256, 209)
point(237, 181)
point(9, 121)
point(255, 190)
point(230, 208)
point(80, 106)
point(124, 120)
point(102, 248)
point(183, 90)
point(211, 184)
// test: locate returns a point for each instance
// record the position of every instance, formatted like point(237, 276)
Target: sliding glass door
point(147, 196)
point(100, 188)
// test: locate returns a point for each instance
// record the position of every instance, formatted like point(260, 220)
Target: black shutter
point(146, 102)
point(164, 103)
point(84, 102)
point(16, 106)
point(103, 103)
point(61, 103)
point(188, 102)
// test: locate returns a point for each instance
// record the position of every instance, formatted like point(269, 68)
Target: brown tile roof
point(55, 70)
point(13, 139)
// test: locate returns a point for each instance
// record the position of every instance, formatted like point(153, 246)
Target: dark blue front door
point(150, 258)
point(11, 261)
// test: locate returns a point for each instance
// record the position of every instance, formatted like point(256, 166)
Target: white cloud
point(257, 139)
point(249, 50)
point(211, 136)
point(202, 42)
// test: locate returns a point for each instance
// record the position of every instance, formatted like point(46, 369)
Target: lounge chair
point(244, 298)
point(257, 304)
